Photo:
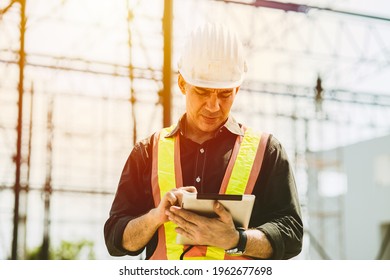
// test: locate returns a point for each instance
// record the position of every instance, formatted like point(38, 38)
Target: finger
point(221, 211)
point(186, 215)
point(171, 197)
point(180, 191)
point(181, 223)
point(177, 218)
point(190, 189)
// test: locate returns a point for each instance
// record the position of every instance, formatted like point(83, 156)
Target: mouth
point(209, 119)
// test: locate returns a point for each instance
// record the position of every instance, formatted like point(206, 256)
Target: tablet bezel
point(240, 207)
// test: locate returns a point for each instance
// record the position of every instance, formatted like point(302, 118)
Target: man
point(209, 152)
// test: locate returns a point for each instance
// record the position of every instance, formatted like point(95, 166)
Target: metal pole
point(47, 191)
point(130, 18)
point(18, 158)
point(300, 8)
point(167, 68)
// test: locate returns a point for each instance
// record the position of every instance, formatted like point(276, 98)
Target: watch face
point(234, 251)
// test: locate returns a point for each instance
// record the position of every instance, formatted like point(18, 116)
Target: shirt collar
point(178, 128)
point(231, 125)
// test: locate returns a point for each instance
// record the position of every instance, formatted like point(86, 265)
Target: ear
point(237, 89)
point(182, 84)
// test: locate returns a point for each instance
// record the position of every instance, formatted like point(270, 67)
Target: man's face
point(207, 109)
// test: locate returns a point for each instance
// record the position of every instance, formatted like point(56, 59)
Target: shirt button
point(201, 150)
point(197, 179)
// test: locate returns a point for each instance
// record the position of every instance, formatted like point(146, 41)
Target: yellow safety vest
point(240, 177)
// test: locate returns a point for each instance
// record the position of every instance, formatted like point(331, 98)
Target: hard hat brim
point(211, 84)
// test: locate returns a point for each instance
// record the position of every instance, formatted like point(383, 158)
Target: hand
point(219, 231)
point(139, 231)
point(173, 197)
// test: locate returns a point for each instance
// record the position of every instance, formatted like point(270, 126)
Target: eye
point(225, 94)
point(201, 92)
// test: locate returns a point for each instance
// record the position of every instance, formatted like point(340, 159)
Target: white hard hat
point(213, 58)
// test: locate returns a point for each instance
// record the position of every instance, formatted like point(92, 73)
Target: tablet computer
point(239, 206)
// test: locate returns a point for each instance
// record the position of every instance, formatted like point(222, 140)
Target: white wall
point(367, 204)
point(348, 226)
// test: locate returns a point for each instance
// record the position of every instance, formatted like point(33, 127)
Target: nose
point(212, 103)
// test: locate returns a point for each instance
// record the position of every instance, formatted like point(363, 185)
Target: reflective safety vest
point(240, 177)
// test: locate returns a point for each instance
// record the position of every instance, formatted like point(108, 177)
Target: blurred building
point(348, 200)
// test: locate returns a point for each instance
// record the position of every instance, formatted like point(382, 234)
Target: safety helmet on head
point(213, 57)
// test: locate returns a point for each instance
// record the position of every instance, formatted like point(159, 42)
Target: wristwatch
point(240, 248)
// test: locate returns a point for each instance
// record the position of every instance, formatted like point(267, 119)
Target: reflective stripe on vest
point(240, 177)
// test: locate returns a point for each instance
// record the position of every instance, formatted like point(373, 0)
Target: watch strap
point(240, 248)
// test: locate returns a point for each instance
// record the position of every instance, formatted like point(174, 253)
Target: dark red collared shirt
point(276, 210)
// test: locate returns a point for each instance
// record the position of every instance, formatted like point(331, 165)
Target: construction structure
point(82, 81)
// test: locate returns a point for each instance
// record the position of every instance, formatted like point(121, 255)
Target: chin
point(208, 128)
